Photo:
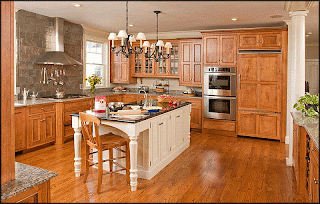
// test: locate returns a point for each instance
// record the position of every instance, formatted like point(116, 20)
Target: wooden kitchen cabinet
point(259, 82)
point(196, 111)
point(259, 124)
point(260, 41)
point(41, 125)
point(191, 63)
point(314, 174)
point(219, 50)
point(120, 71)
point(20, 129)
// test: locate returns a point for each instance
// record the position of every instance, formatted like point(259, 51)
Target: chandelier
point(126, 41)
point(156, 49)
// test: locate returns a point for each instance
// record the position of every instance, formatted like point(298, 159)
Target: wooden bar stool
point(101, 143)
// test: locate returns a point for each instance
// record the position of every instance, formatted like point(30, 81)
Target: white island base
point(154, 142)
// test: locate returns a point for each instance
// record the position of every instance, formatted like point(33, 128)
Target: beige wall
point(312, 51)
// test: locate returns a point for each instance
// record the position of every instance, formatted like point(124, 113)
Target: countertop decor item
point(308, 104)
point(126, 40)
point(93, 81)
point(165, 98)
point(156, 50)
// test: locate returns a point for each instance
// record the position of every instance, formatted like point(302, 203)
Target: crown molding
point(297, 5)
point(313, 44)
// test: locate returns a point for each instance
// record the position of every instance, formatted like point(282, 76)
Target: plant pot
point(314, 106)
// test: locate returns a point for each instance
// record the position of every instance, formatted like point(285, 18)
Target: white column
point(296, 68)
point(289, 124)
point(76, 125)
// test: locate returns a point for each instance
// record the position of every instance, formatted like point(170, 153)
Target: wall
point(312, 51)
point(34, 38)
point(312, 68)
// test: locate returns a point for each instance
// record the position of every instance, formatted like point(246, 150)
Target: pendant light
point(156, 49)
point(126, 41)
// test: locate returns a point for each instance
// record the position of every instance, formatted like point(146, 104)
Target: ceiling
point(176, 15)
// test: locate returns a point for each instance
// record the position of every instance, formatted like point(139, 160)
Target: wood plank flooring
point(213, 169)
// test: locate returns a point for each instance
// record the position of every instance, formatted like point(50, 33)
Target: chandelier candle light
point(156, 49)
point(126, 40)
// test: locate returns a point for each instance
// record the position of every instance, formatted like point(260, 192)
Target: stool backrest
point(87, 124)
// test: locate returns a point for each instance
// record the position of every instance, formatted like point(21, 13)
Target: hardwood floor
point(213, 169)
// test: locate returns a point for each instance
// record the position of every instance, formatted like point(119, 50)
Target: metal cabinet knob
point(315, 181)
point(313, 149)
point(41, 108)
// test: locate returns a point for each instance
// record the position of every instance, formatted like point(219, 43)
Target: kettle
point(59, 94)
point(34, 96)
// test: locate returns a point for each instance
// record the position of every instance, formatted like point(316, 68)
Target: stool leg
point(128, 162)
point(99, 170)
point(87, 152)
point(111, 157)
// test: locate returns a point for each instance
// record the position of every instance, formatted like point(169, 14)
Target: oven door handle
point(219, 97)
point(220, 74)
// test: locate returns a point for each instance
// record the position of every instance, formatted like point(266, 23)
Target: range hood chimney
point(57, 56)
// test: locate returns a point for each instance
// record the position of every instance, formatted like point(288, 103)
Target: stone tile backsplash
point(34, 38)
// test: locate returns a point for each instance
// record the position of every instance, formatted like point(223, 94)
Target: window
point(96, 61)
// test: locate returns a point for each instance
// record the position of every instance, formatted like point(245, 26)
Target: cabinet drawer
point(195, 102)
point(41, 108)
point(77, 104)
point(225, 125)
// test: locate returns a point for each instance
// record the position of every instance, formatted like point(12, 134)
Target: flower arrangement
point(308, 104)
point(93, 81)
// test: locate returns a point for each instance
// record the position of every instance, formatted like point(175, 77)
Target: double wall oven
point(220, 93)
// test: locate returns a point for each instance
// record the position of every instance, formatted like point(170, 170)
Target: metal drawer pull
point(178, 116)
point(263, 114)
point(315, 181)
point(41, 108)
point(160, 123)
point(42, 120)
point(313, 149)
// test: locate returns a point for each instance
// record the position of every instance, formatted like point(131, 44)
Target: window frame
point(105, 60)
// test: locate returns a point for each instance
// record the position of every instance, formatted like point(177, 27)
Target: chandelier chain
point(157, 25)
point(127, 16)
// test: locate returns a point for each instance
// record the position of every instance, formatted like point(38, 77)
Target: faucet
point(145, 96)
point(25, 94)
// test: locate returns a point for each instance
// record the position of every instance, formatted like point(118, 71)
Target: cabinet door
point(115, 68)
point(173, 61)
point(48, 122)
point(178, 132)
point(196, 117)
point(268, 97)
point(314, 183)
point(268, 125)
point(246, 123)
point(272, 40)
point(164, 137)
point(155, 142)
point(34, 131)
point(196, 64)
point(138, 64)
point(247, 96)
point(20, 129)
point(249, 41)
point(295, 153)
point(228, 54)
point(248, 67)
point(186, 63)
point(211, 50)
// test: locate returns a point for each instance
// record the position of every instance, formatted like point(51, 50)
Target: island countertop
point(311, 124)
point(135, 119)
point(26, 177)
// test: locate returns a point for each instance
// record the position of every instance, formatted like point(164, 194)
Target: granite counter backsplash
point(26, 178)
point(311, 124)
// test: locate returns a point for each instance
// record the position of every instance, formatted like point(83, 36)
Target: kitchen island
point(161, 137)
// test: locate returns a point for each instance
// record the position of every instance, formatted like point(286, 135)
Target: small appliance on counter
point(143, 89)
point(162, 86)
point(119, 88)
point(189, 92)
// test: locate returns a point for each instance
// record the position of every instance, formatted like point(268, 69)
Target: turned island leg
point(133, 145)
point(77, 145)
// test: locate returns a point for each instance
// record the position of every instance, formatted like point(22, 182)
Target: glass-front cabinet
point(167, 68)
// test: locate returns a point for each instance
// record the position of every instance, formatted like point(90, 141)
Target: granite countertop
point(26, 177)
point(30, 102)
point(166, 107)
point(311, 124)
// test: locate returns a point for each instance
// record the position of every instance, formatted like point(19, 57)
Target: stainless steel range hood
point(57, 56)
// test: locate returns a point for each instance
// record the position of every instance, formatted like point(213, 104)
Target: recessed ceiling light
point(130, 25)
point(276, 16)
point(77, 5)
point(234, 19)
point(309, 33)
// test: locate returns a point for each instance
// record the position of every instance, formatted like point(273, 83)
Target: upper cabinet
point(219, 50)
point(120, 71)
point(191, 63)
point(260, 41)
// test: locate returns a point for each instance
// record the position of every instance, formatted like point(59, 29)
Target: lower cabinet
point(20, 129)
point(41, 129)
point(313, 179)
point(259, 124)
point(37, 194)
point(196, 111)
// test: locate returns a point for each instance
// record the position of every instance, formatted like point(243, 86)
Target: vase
point(92, 90)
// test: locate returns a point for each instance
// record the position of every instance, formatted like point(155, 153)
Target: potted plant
point(308, 104)
point(93, 81)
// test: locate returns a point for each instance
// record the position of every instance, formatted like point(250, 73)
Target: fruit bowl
point(165, 98)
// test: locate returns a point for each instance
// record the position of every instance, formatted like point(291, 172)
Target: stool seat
point(111, 141)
